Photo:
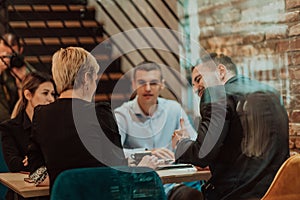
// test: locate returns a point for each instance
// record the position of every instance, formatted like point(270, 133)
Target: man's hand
point(149, 161)
point(179, 134)
point(163, 153)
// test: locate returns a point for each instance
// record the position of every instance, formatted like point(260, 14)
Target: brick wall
point(263, 37)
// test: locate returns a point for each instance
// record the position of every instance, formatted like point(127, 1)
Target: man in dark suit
point(243, 134)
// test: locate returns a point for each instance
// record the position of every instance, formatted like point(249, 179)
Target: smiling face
point(206, 75)
point(148, 84)
point(197, 82)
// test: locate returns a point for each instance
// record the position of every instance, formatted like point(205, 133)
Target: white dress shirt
point(140, 132)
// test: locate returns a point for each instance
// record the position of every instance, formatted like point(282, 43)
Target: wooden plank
point(69, 40)
point(19, 8)
point(18, 24)
point(32, 41)
point(101, 97)
point(90, 23)
point(72, 23)
point(86, 40)
point(34, 24)
point(59, 7)
point(51, 41)
point(55, 24)
point(41, 8)
point(115, 76)
point(49, 2)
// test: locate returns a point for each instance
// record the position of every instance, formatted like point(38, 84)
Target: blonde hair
point(69, 66)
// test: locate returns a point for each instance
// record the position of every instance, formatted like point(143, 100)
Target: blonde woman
point(73, 132)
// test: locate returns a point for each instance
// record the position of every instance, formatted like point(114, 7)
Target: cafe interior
point(261, 37)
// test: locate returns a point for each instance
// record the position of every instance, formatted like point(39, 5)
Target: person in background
point(11, 74)
point(38, 89)
point(243, 136)
point(147, 122)
point(74, 132)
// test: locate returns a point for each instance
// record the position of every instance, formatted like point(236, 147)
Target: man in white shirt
point(147, 122)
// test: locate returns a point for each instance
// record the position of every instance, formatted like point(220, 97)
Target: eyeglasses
point(153, 84)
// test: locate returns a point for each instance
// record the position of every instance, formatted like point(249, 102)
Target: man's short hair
point(218, 59)
point(147, 66)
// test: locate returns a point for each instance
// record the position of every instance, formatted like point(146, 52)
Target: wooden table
point(182, 175)
point(15, 181)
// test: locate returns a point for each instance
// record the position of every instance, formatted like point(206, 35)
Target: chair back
point(124, 183)
point(286, 184)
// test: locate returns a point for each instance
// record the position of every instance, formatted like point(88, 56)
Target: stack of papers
point(185, 167)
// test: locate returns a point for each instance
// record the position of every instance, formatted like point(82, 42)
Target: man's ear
point(27, 95)
point(87, 77)
point(162, 86)
point(222, 71)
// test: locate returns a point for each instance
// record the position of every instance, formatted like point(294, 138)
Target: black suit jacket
point(72, 133)
point(222, 130)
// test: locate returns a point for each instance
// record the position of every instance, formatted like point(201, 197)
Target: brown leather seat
point(286, 184)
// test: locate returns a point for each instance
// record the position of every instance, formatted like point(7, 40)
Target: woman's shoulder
point(10, 125)
point(18, 120)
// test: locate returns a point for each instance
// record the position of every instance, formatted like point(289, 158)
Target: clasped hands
point(158, 157)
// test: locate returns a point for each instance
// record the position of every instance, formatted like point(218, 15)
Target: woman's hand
point(25, 161)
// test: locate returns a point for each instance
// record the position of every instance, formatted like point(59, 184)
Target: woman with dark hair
point(38, 89)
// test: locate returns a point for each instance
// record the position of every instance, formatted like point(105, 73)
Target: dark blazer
point(73, 133)
point(236, 174)
point(15, 140)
